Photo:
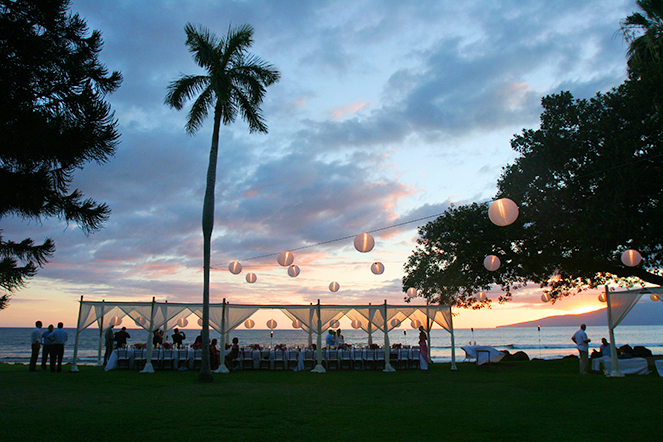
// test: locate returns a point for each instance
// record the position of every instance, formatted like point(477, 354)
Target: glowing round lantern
point(334, 323)
point(364, 242)
point(356, 324)
point(116, 320)
point(293, 271)
point(395, 322)
point(482, 296)
point(377, 268)
point(415, 324)
point(602, 297)
point(251, 278)
point(200, 322)
point(140, 321)
point(333, 287)
point(491, 263)
point(296, 323)
point(411, 293)
point(631, 258)
point(545, 297)
point(285, 259)
point(249, 323)
point(653, 297)
point(271, 324)
point(235, 267)
point(503, 212)
point(183, 322)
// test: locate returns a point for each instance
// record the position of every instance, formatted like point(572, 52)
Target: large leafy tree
point(588, 184)
point(234, 84)
point(53, 121)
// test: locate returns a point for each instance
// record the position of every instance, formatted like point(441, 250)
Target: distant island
point(645, 312)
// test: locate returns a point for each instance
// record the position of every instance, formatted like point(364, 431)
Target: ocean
point(546, 343)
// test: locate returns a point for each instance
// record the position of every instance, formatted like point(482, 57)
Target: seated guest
point(178, 337)
point(199, 340)
point(605, 347)
point(214, 358)
point(231, 358)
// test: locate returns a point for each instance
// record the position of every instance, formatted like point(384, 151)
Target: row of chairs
point(163, 359)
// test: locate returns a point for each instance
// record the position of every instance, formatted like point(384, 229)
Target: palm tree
point(234, 83)
point(647, 47)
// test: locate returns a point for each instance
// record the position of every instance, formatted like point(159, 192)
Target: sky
point(386, 113)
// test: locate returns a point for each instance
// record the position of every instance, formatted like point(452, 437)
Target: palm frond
point(199, 111)
point(184, 89)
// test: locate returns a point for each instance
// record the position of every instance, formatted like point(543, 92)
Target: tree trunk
point(208, 225)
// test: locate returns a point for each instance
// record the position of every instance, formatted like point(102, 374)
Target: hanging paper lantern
point(140, 321)
point(377, 268)
point(503, 212)
point(653, 297)
point(334, 323)
point(285, 259)
point(271, 324)
point(482, 296)
point(200, 322)
point(364, 242)
point(251, 278)
point(296, 323)
point(183, 322)
point(631, 258)
point(356, 324)
point(491, 263)
point(293, 271)
point(545, 297)
point(235, 267)
point(411, 293)
point(116, 320)
point(249, 323)
point(415, 324)
point(333, 287)
point(602, 297)
point(395, 322)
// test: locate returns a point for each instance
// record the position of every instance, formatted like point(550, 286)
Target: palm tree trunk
point(208, 225)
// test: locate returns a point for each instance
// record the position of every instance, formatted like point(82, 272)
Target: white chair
point(416, 354)
point(331, 360)
point(292, 357)
point(309, 359)
point(345, 359)
point(246, 362)
point(279, 359)
point(403, 358)
point(379, 358)
point(123, 358)
point(369, 359)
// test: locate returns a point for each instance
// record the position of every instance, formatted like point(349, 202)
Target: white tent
point(225, 317)
point(619, 304)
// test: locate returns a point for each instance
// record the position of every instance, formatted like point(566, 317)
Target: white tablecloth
point(626, 366)
point(659, 366)
point(157, 354)
point(492, 355)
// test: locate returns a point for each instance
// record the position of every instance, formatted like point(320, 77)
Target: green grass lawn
point(510, 401)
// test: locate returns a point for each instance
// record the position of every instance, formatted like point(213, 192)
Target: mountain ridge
point(643, 313)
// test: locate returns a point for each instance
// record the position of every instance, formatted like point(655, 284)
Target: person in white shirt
point(582, 343)
point(35, 340)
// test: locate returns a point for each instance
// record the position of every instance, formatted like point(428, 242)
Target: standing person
point(109, 338)
point(46, 352)
point(121, 337)
point(582, 342)
point(423, 348)
point(340, 340)
point(35, 341)
point(57, 339)
point(178, 338)
point(330, 339)
point(157, 339)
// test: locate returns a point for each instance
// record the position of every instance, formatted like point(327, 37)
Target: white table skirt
point(156, 354)
point(659, 366)
point(625, 366)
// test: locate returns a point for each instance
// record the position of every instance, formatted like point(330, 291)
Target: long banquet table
point(158, 354)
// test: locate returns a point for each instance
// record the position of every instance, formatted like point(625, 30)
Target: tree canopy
point(53, 121)
point(588, 185)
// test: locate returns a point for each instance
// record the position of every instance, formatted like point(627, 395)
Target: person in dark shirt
point(178, 337)
point(121, 338)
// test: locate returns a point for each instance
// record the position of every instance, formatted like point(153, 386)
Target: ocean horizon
point(541, 343)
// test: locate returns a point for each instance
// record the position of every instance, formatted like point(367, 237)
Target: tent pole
point(310, 321)
point(101, 331)
point(222, 352)
point(370, 325)
point(319, 368)
point(453, 342)
point(614, 373)
point(148, 363)
point(387, 347)
point(74, 368)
